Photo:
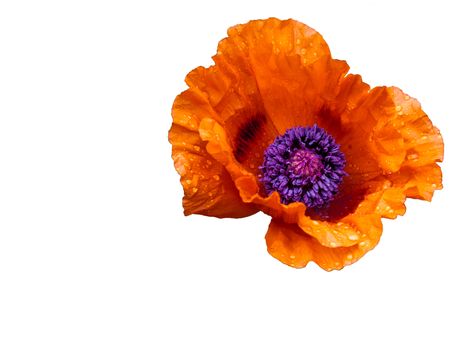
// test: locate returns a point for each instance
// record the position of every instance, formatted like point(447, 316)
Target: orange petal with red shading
point(208, 188)
point(292, 246)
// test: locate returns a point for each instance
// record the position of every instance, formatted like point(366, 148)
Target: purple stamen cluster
point(303, 165)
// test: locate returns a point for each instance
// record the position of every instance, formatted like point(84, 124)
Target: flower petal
point(388, 139)
point(208, 188)
point(269, 75)
point(230, 89)
point(292, 66)
point(419, 174)
point(292, 246)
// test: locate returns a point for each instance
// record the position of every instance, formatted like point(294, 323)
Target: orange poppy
point(278, 125)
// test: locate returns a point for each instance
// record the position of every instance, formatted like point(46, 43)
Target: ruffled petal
point(269, 75)
point(292, 246)
point(419, 174)
point(395, 143)
point(293, 68)
point(396, 130)
point(230, 89)
point(208, 188)
point(387, 139)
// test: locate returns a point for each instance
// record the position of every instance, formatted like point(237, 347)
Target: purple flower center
point(304, 164)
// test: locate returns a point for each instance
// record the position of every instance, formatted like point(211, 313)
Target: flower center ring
point(305, 164)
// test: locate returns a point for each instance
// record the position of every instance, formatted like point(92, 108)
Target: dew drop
point(194, 190)
point(196, 148)
point(216, 177)
point(399, 108)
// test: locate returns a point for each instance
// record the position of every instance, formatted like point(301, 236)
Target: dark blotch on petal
point(246, 135)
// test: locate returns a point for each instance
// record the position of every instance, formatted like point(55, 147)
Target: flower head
point(278, 125)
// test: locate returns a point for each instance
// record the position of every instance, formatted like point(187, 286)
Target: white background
point(94, 250)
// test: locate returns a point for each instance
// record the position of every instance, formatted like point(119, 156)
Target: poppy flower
point(277, 125)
